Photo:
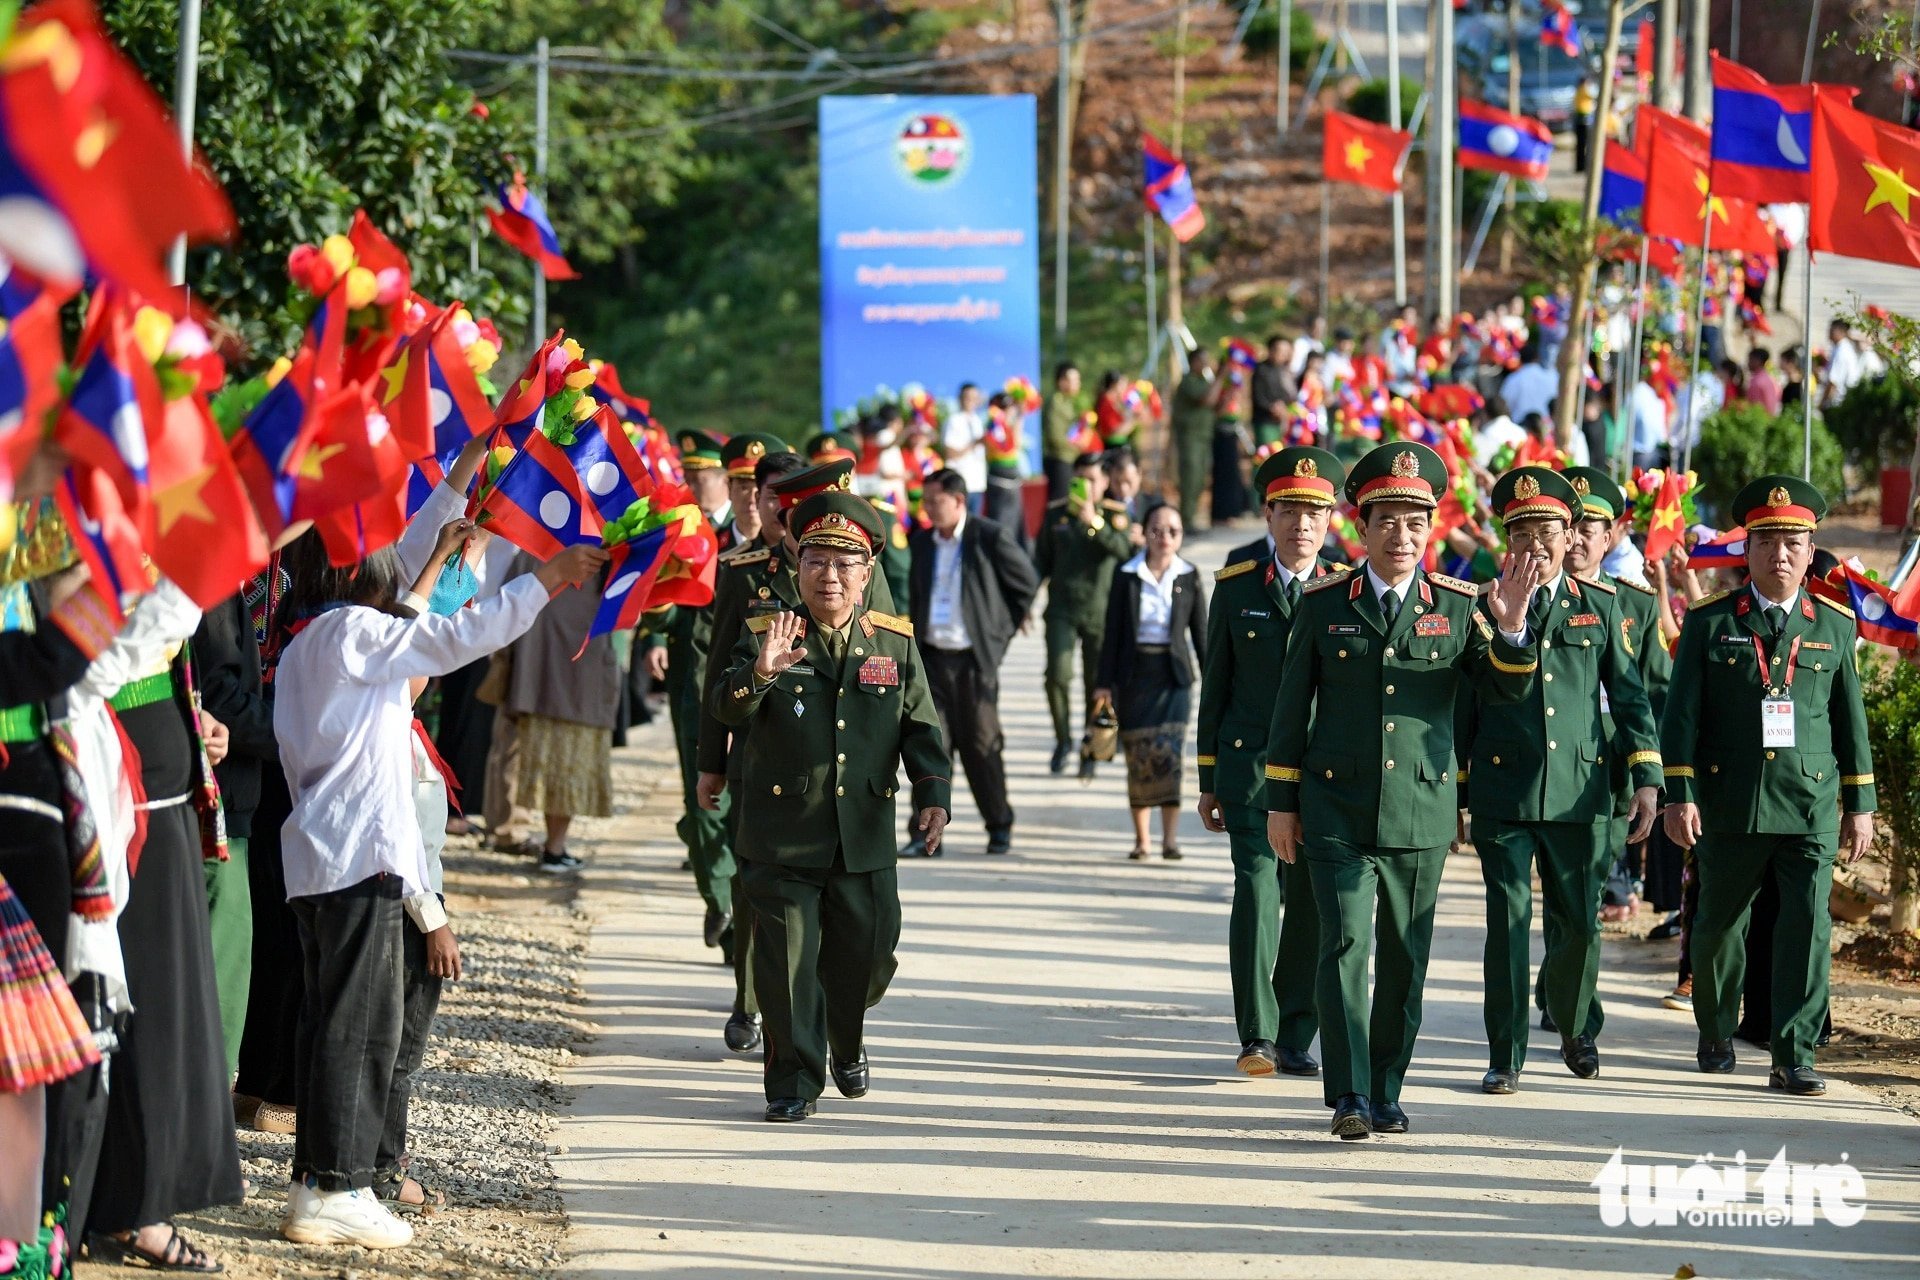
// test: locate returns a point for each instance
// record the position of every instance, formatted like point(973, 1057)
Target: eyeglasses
point(1536, 535)
point(841, 566)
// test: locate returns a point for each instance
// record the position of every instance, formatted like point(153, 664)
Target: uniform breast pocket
point(1813, 673)
point(1338, 650)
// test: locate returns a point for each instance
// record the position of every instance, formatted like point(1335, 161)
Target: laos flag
point(1169, 190)
point(633, 568)
point(1623, 188)
point(613, 476)
point(1501, 142)
point(1763, 135)
point(537, 502)
point(1727, 551)
point(522, 222)
point(1875, 613)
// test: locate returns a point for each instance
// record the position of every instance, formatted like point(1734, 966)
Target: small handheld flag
point(1727, 551)
point(1876, 614)
point(537, 502)
point(522, 222)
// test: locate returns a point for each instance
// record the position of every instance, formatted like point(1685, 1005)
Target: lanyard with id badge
point(1776, 712)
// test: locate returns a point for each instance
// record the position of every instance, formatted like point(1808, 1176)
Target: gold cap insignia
point(845, 481)
point(1582, 486)
point(1779, 497)
point(1526, 488)
point(1305, 468)
point(1405, 466)
point(755, 449)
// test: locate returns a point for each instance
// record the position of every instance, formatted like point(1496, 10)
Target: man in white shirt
point(963, 442)
point(1532, 388)
point(1649, 425)
point(1314, 339)
point(1845, 365)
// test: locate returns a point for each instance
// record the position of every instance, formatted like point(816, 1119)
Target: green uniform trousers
point(822, 956)
point(1572, 857)
point(230, 921)
point(1730, 867)
point(1271, 956)
point(739, 939)
point(1367, 1052)
point(1062, 636)
point(705, 833)
point(1196, 465)
point(1550, 928)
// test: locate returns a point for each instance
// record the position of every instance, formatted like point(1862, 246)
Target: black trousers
point(1059, 477)
point(351, 1029)
point(968, 700)
point(419, 1003)
point(277, 984)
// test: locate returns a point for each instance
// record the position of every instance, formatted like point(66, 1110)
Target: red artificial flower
point(310, 269)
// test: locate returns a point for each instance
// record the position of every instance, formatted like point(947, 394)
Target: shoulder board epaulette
point(899, 626)
point(1235, 570)
point(1326, 580)
point(1834, 605)
point(1641, 587)
point(1704, 601)
point(881, 504)
point(1453, 584)
point(1057, 502)
point(1112, 504)
point(748, 555)
point(1605, 588)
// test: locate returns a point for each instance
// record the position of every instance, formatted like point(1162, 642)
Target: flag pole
point(1393, 119)
point(1806, 345)
point(1153, 306)
point(540, 181)
point(1630, 361)
point(186, 93)
point(1699, 323)
point(1286, 64)
point(1326, 217)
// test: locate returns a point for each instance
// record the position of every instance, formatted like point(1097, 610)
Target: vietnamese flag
point(1866, 174)
point(1680, 197)
point(205, 535)
point(1362, 153)
point(1664, 523)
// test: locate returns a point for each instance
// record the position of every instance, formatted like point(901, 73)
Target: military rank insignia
point(880, 671)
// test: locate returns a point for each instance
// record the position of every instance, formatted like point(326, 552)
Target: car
point(1548, 77)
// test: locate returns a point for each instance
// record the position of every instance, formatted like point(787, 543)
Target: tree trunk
point(1573, 352)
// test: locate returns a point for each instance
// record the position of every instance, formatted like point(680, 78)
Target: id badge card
point(1776, 722)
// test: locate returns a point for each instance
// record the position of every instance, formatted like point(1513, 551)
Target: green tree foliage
point(1742, 441)
point(311, 108)
point(1263, 35)
point(1875, 422)
point(1369, 101)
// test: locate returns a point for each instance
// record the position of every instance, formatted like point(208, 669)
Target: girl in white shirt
point(352, 847)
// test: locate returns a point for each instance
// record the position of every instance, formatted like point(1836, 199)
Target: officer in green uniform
point(1765, 740)
point(756, 582)
point(739, 456)
point(1254, 604)
point(1371, 782)
point(1080, 543)
point(1539, 786)
point(1602, 506)
point(834, 700)
point(896, 563)
point(1192, 429)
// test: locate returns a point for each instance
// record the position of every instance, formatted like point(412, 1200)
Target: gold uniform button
point(1249, 635)
point(1769, 755)
point(1436, 653)
point(841, 758)
point(1389, 726)
point(1820, 775)
point(1818, 667)
point(1586, 644)
point(1549, 710)
point(1343, 653)
point(1729, 661)
point(1389, 651)
point(1713, 769)
point(1553, 746)
point(889, 793)
point(1329, 773)
point(1776, 659)
point(1236, 742)
point(1389, 688)
point(1548, 677)
point(1496, 759)
point(1389, 764)
point(859, 653)
point(839, 791)
point(839, 724)
point(776, 788)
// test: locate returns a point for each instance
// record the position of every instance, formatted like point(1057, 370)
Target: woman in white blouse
point(1155, 643)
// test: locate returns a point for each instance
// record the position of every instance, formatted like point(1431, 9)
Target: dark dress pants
point(968, 700)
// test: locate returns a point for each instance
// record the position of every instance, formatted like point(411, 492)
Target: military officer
point(1538, 783)
point(1765, 741)
point(1080, 543)
point(1254, 603)
point(834, 700)
point(1602, 507)
point(739, 456)
point(755, 582)
point(1370, 783)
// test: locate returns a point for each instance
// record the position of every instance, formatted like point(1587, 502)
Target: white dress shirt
point(946, 627)
point(1156, 598)
point(961, 434)
point(345, 726)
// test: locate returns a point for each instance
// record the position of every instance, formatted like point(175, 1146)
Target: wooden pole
point(1176, 351)
point(1573, 363)
point(1513, 105)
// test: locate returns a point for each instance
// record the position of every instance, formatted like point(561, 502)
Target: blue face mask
point(453, 588)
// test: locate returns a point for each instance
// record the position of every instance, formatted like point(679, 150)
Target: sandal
point(1139, 853)
point(179, 1255)
point(1171, 853)
point(389, 1192)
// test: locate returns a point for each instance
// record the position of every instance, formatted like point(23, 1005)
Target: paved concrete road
point(1054, 1093)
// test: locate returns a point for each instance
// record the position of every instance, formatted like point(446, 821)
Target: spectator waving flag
point(1763, 134)
point(1558, 29)
point(522, 222)
point(1169, 190)
point(1501, 142)
point(1362, 152)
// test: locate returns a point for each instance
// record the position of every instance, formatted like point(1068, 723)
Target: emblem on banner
point(931, 148)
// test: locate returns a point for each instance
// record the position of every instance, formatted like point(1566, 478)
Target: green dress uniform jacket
point(1766, 809)
point(1640, 614)
point(1076, 559)
point(1269, 955)
point(1193, 440)
point(1540, 785)
point(1373, 783)
point(1056, 428)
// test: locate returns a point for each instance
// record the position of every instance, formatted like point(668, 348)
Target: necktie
point(1537, 611)
point(1776, 619)
point(836, 646)
point(1390, 605)
point(1293, 592)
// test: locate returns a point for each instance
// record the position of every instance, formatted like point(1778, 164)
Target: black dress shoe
point(743, 1032)
point(1297, 1062)
point(1352, 1117)
point(1498, 1080)
point(1000, 840)
point(1581, 1055)
point(917, 848)
point(1257, 1058)
point(717, 923)
point(788, 1110)
point(851, 1078)
point(1389, 1118)
point(1086, 768)
point(1804, 1081)
point(1668, 928)
point(1546, 1022)
point(1062, 752)
point(1715, 1056)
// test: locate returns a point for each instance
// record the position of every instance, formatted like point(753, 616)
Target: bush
point(1263, 36)
point(1875, 423)
point(1369, 101)
point(1890, 690)
point(1742, 441)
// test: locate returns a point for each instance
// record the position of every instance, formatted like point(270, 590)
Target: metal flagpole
point(540, 181)
point(1393, 119)
point(1633, 376)
point(1690, 426)
point(1806, 397)
point(1282, 104)
point(186, 91)
point(1062, 144)
point(1326, 217)
point(1586, 367)
point(1153, 306)
point(1813, 36)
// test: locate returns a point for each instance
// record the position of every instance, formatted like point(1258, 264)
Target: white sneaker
point(302, 1199)
point(342, 1217)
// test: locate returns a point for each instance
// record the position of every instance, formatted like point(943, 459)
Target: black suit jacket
point(997, 586)
point(1189, 620)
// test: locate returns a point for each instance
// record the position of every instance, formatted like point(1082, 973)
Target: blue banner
point(929, 246)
